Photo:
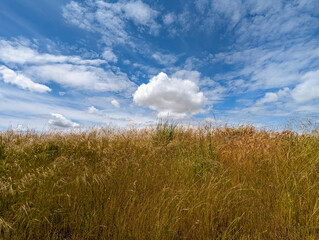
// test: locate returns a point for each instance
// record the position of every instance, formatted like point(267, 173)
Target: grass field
point(167, 182)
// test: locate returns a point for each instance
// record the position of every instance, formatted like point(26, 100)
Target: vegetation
point(167, 182)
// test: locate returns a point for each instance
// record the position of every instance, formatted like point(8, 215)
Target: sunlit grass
point(167, 182)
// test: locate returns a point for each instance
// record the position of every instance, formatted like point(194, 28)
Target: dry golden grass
point(161, 183)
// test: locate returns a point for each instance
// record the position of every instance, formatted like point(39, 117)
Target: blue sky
point(67, 64)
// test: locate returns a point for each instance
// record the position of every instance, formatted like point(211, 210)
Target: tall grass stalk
point(166, 182)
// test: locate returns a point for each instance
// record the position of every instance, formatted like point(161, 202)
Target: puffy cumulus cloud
point(10, 76)
point(111, 19)
point(268, 98)
point(115, 103)
point(82, 77)
point(308, 89)
point(20, 52)
point(170, 96)
point(95, 111)
point(212, 90)
point(109, 55)
point(273, 96)
point(58, 120)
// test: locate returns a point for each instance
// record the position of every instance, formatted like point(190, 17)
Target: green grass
point(160, 183)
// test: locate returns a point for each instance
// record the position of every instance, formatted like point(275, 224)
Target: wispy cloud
point(254, 20)
point(272, 49)
point(164, 59)
point(10, 76)
point(111, 19)
point(81, 77)
point(22, 52)
point(68, 71)
point(169, 18)
point(272, 66)
point(244, 58)
point(109, 55)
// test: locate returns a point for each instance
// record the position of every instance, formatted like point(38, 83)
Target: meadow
point(165, 182)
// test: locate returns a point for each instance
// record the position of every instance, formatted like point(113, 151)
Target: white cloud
point(275, 20)
point(308, 89)
point(255, 21)
point(164, 59)
point(10, 76)
point(202, 5)
point(68, 71)
point(19, 52)
point(78, 15)
point(212, 90)
point(193, 76)
point(231, 9)
point(82, 77)
point(111, 19)
point(95, 111)
point(21, 128)
point(270, 66)
point(32, 109)
point(170, 96)
point(108, 55)
point(268, 98)
point(58, 120)
point(141, 14)
point(274, 96)
point(169, 18)
point(115, 103)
